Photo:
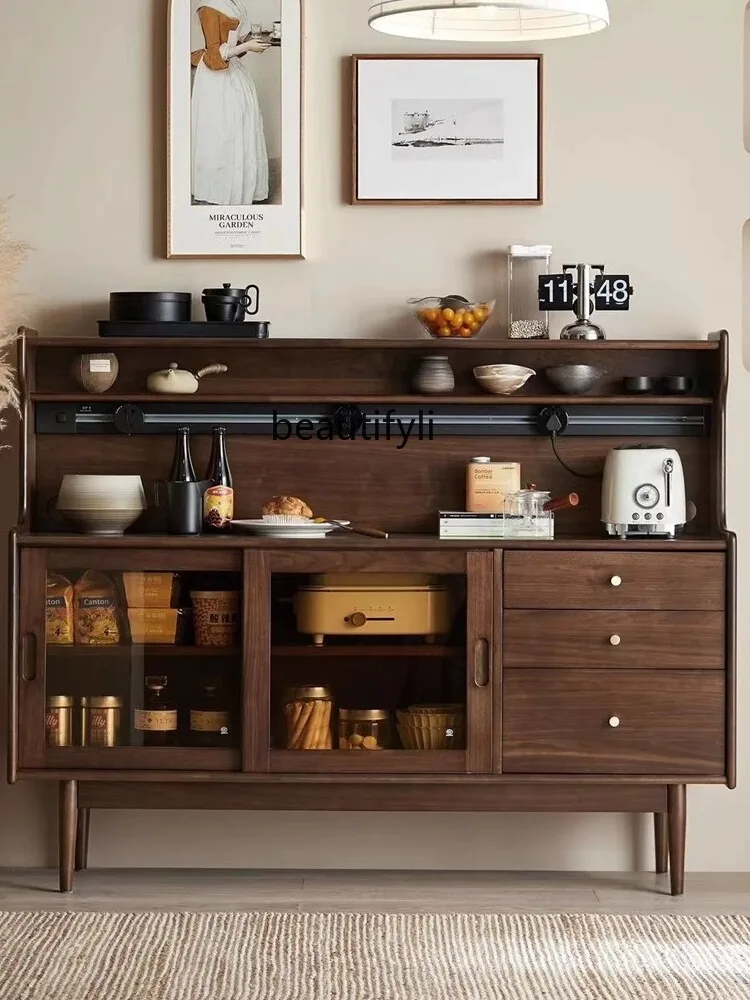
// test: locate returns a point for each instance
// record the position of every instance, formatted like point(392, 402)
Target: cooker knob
point(358, 619)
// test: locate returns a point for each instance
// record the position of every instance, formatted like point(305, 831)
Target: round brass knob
point(614, 640)
point(615, 581)
point(614, 722)
point(358, 619)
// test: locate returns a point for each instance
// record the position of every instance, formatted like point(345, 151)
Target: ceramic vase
point(434, 377)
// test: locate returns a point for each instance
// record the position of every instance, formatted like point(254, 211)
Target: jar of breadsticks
point(309, 718)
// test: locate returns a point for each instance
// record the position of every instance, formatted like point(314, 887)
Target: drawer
point(659, 581)
point(666, 722)
point(657, 640)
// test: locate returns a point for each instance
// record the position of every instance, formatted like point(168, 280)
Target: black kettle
point(231, 305)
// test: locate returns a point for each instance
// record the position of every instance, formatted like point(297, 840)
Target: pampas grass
point(12, 256)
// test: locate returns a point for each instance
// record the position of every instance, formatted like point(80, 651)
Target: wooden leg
point(68, 819)
point(661, 842)
point(677, 805)
point(82, 839)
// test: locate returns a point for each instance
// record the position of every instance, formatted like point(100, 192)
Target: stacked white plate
point(286, 526)
point(101, 505)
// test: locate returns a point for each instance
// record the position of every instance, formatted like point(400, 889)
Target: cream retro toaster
point(643, 492)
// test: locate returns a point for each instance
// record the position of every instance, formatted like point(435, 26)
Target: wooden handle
point(28, 656)
point(481, 663)
point(562, 503)
point(370, 532)
point(211, 370)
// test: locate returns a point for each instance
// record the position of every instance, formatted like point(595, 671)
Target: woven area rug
point(344, 956)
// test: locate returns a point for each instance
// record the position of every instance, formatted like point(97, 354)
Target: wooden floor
point(385, 892)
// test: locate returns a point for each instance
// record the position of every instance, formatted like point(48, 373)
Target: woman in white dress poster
point(229, 153)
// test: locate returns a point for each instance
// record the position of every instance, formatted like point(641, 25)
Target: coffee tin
point(58, 721)
point(101, 718)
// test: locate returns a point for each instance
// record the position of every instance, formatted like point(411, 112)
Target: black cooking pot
point(248, 303)
point(152, 307)
point(223, 309)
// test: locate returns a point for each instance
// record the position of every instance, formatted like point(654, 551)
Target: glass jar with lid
point(364, 729)
point(526, 265)
point(308, 711)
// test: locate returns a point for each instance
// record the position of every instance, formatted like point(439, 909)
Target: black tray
point(145, 329)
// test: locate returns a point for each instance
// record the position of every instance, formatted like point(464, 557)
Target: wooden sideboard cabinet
point(585, 674)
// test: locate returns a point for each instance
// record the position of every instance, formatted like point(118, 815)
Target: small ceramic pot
point(434, 377)
point(95, 372)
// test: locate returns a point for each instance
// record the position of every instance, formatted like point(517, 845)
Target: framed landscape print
point(438, 129)
point(235, 128)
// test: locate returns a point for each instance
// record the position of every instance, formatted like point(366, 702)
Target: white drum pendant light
point(488, 20)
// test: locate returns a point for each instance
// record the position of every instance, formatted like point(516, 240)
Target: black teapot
point(231, 305)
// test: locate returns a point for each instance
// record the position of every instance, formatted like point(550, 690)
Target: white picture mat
point(382, 81)
point(278, 229)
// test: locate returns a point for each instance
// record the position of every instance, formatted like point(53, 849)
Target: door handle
point(482, 663)
point(28, 656)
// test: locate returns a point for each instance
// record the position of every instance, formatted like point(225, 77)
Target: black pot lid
point(169, 296)
point(227, 290)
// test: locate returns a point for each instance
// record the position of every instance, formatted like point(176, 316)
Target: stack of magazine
point(462, 524)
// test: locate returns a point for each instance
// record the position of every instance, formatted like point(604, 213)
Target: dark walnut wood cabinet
point(597, 675)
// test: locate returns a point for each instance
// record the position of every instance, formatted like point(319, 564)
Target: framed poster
point(235, 128)
point(435, 129)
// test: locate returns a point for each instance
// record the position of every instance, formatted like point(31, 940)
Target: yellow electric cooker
point(371, 604)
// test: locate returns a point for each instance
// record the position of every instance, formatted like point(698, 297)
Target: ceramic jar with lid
point(434, 377)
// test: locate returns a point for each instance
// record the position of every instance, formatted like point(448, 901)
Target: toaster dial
point(647, 496)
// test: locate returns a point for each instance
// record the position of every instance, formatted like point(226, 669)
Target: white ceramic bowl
point(99, 493)
point(102, 522)
point(503, 380)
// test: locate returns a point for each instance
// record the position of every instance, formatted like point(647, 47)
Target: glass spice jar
point(308, 711)
point(364, 729)
point(58, 721)
point(101, 718)
point(526, 266)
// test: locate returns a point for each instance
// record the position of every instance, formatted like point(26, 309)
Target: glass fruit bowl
point(451, 315)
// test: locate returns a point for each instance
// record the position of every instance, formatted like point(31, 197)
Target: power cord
point(553, 420)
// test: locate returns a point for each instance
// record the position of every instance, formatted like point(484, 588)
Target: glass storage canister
point(364, 729)
point(58, 721)
point(309, 712)
point(526, 265)
point(101, 718)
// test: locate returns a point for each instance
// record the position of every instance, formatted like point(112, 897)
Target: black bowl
point(638, 384)
point(676, 384)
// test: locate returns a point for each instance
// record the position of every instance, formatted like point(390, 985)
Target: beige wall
point(646, 170)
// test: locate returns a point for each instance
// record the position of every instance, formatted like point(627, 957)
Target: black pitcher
point(183, 503)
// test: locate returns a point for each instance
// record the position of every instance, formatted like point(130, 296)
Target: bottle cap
point(482, 459)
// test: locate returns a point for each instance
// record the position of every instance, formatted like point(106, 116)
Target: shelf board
point(381, 650)
point(74, 652)
point(413, 399)
point(418, 343)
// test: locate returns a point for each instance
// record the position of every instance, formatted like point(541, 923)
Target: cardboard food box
point(151, 590)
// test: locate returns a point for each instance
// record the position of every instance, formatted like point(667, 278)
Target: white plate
point(298, 531)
